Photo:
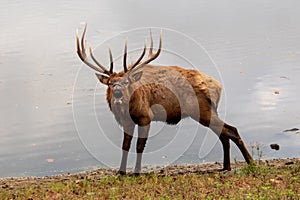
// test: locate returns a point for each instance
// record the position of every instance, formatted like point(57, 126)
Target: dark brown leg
point(235, 137)
point(141, 143)
point(128, 132)
point(226, 132)
point(226, 150)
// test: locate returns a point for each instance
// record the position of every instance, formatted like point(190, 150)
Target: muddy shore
point(206, 168)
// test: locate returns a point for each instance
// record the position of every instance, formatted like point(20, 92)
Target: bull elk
point(133, 93)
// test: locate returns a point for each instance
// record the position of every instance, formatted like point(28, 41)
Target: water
point(54, 118)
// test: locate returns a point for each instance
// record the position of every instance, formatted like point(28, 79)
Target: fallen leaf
point(276, 181)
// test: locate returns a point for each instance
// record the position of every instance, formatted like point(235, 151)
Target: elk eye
point(124, 82)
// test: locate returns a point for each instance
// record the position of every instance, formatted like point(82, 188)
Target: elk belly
point(164, 113)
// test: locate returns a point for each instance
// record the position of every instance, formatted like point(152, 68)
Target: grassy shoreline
point(269, 179)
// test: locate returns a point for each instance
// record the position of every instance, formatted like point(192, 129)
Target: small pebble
point(274, 146)
point(289, 163)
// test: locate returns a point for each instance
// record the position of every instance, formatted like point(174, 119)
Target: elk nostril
point(117, 94)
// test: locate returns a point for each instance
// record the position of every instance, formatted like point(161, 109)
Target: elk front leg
point(128, 133)
point(141, 142)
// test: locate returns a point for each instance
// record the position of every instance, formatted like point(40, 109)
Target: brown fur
point(154, 90)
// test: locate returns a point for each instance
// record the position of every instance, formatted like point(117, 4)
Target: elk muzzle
point(117, 93)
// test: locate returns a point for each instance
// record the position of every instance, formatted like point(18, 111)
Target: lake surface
point(54, 117)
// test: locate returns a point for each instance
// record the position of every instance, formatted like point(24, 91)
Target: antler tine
point(96, 61)
point(83, 41)
point(111, 61)
point(125, 58)
point(152, 56)
point(140, 58)
point(80, 46)
point(151, 44)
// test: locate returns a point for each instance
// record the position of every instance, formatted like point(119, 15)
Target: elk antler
point(81, 46)
point(140, 58)
point(82, 55)
point(136, 62)
point(111, 62)
point(125, 58)
point(151, 56)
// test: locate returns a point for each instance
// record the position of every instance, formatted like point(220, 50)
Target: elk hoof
point(226, 169)
point(122, 173)
point(136, 174)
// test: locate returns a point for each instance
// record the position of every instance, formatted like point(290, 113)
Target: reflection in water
point(255, 46)
point(268, 92)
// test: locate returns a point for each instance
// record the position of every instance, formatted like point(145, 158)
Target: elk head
point(119, 84)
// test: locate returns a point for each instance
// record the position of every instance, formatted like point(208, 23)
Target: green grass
point(246, 182)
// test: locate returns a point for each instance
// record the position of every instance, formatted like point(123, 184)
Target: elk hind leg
point(226, 132)
point(226, 151)
point(235, 137)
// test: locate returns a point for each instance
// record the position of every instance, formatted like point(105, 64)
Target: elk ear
point(136, 77)
point(103, 79)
